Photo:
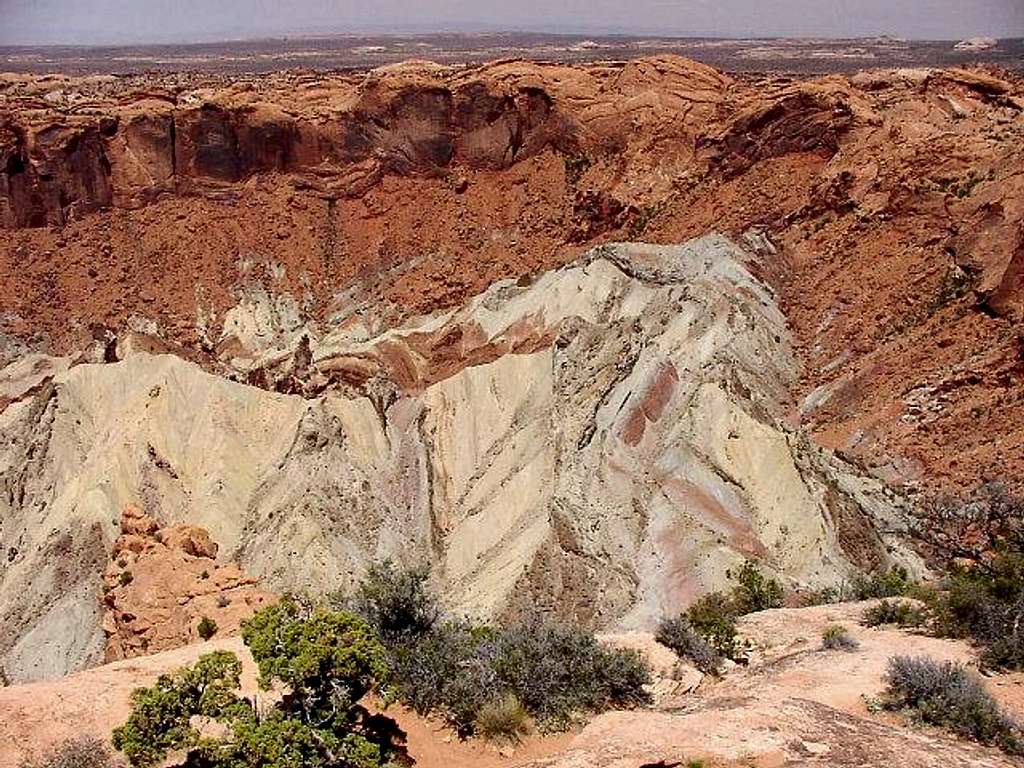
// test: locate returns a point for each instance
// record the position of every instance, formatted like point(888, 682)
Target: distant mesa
point(977, 44)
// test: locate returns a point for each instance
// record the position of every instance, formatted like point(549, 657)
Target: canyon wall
point(605, 443)
point(888, 207)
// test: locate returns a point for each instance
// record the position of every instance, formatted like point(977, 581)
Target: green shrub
point(125, 578)
point(325, 661)
point(894, 582)
point(838, 638)
point(555, 672)
point(985, 602)
point(713, 617)
point(161, 714)
point(1004, 653)
point(445, 672)
point(207, 628)
point(503, 719)
point(946, 695)
point(575, 167)
point(754, 591)
point(982, 536)
point(558, 671)
point(79, 752)
point(679, 635)
point(458, 670)
point(899, 612)
point(328, 659)
point(825, 596)
point(395, 602)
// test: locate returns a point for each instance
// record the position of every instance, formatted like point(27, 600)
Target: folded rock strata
point(605, 443)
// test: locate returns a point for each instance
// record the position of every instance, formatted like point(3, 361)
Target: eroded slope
point(604, 442)
point(890, 200)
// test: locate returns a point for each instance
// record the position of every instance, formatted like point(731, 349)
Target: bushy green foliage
point(838, 638)
point(558, 671)
point(279, 741)
point(79, 752)
point(982, 535)
point(161, 714)
point(326, 661)
point(457, 670)
point(442, 672)
point(946, 695)
point(754, 591)
point(894, 582)
point(986, 604)
point(503, 719)
point(207, 628)
point(396, 602)
point(678, 634)
point(713, 618)
point(495, 681)
point(555, 672)
point(902, 613)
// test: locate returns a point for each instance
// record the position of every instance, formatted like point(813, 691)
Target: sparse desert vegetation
point(901, 613)
point(494, 682)
point(80, 752)
point(461, 670)
point(327, 662)
point(838, 638)
point(947, 695)
point(678, 634)
point(706, 633)
point(671, 383)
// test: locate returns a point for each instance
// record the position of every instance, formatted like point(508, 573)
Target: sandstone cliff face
point(341, 133)
point(890, 201)
point(604, 442)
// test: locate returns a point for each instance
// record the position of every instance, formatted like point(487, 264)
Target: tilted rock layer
point(605, 443)
point(892, 202)
point(331, 318)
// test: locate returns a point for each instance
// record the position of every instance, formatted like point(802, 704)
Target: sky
point(90, 22)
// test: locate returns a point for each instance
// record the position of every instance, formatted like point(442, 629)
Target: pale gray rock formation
point(605, 443)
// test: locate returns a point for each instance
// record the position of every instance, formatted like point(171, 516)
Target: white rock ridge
point(605, 443)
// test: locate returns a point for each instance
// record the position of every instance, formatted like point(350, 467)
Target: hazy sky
point(115, 21)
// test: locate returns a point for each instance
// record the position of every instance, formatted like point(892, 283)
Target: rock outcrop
point(65, 153)
point(794, 704)
point(161, 584)
point(605, 443)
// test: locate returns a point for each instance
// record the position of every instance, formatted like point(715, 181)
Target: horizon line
point(398, 33)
